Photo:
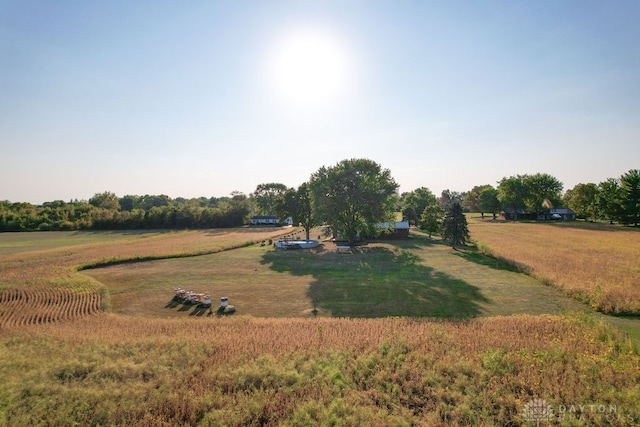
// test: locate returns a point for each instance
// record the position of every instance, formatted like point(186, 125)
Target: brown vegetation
point(595, 264)
point(66, 368)
point(43, 285)
point(115, 370)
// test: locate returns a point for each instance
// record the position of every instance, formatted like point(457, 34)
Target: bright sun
point(310, 69)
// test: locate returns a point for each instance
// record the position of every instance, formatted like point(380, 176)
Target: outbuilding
point(269, 220)
point(393, 230)
point(563, 214)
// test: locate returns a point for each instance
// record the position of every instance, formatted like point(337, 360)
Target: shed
point(394, 230)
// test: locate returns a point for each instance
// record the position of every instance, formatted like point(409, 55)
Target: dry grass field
point(466, 356)
point(129, 371)
point(597, 264)
point(416, 277)
point(39, 278)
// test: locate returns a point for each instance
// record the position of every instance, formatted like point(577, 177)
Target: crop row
point(28, 306)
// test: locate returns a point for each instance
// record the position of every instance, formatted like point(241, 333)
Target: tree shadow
point(471, 254)
point(379, 281)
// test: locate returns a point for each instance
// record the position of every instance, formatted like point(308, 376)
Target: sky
point(203, 98)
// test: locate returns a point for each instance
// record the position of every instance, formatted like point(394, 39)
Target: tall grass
point(596, 265)
point(112, 370)
point(107, 369)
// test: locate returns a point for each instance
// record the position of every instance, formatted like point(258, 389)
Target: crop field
point(240, 371)
point(597, 264)
point(397, 333)
point(39, 278)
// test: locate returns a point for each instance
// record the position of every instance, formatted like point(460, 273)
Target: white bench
point(343, 249)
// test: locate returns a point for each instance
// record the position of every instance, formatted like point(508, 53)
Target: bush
point(65, 226)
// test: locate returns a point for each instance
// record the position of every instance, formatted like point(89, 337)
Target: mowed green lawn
point(415, 277)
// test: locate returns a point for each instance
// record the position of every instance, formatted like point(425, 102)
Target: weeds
point(242, 371)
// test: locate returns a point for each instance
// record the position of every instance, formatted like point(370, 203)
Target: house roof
point(401, 225)
point(561, 211)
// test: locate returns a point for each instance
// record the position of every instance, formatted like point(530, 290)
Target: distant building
point(383, 230)
point(563, 214)
point(513, 214)
point(269, 220)
point(393, 230)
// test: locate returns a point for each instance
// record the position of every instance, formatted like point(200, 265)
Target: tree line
point(107, 211)
point(529, 195)
point(352, 197)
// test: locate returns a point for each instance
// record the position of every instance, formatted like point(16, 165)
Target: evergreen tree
point(630, 191)
point(454, 226)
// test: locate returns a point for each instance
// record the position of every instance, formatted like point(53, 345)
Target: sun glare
point(310, 69)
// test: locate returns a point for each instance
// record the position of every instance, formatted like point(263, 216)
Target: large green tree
point(531, 193)
point(630, 192)
point(454, 226)
point(543, 192)
point(512, 193)
point(472, 202)
point(431, 218)
point(106, 200)
point(609, 199)
point(583, 200)
point(296, 203)
point(266, 197)
point(489, 201)
point(149, 201)
point(415, 202)
point(235, 210)
point(353, 196)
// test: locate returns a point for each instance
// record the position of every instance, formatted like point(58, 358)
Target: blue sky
point(203, 98)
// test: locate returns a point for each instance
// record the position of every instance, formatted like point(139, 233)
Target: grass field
point(417, 277)
point(597, 264)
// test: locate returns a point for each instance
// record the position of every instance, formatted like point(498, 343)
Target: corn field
point(44, 285)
